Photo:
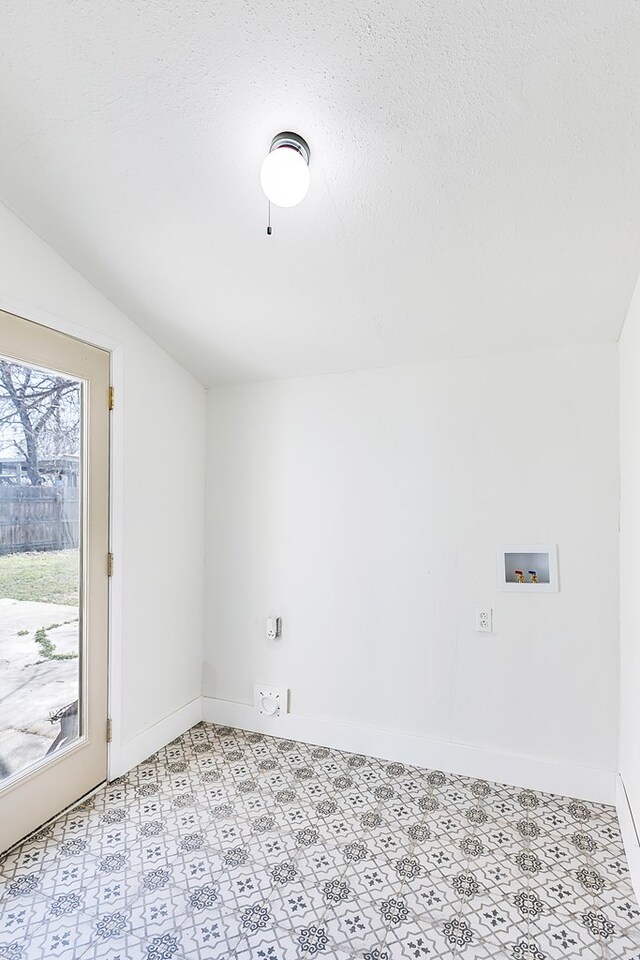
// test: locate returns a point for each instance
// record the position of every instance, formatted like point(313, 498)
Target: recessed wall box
point(528, 568)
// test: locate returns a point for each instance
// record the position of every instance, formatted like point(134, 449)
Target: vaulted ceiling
point(475, 171)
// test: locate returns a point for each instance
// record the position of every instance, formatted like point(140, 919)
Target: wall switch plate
point(274, 627)
point(270, 701)
point(484, 620)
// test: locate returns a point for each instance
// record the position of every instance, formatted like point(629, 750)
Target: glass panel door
point(53, 541)
point(41, 414)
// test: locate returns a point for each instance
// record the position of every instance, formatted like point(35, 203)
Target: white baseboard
point(630, 837)
point(585, 783)
point(124, 756)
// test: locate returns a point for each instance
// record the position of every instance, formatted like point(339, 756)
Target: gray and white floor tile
point(229, 845)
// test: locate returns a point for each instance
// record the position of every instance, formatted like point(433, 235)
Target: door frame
point(115, 349)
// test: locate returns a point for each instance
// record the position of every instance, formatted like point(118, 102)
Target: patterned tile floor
point(233, 846)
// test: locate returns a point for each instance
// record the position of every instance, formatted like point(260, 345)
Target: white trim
point(36, 315)
point(629, 832)
point(585, 783)
point(116, 510)
point(116, 546)
point(155, 737)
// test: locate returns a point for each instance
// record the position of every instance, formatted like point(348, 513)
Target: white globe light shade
point(285, 177)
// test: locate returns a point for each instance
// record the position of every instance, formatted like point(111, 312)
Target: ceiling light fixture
point(284, 175)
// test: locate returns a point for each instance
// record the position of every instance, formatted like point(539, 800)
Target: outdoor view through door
point(40, 430)
point(53, 572)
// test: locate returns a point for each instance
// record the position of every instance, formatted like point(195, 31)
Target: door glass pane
point(40, 549)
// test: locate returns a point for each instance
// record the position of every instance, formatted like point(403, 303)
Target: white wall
point(629, 763)
point(365, 509)
point(160, 565)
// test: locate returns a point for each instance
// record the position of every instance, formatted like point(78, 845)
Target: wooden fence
point(38, 518)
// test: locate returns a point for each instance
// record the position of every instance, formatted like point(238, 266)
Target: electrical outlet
point(484, 620)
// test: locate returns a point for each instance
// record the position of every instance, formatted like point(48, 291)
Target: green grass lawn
point(44, 577)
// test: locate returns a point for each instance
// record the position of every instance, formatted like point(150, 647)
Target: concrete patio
point(33, 687)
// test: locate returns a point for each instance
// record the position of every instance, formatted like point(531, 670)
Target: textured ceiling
point(475, 171)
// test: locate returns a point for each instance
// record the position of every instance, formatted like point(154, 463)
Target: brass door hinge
point(109, 564)
point(109, 730)
point(112, 394)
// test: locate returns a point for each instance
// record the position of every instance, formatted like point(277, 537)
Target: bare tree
point(42, 413)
